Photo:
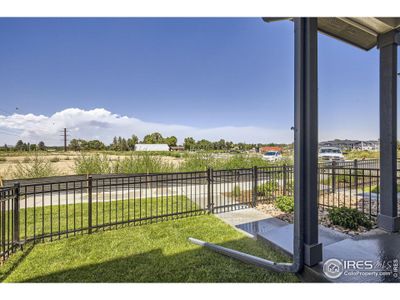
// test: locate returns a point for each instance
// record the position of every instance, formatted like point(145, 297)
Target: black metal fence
point(356, 163)
point(9, 221)
point(350, 187)
point(41, 211)
point(51, 210)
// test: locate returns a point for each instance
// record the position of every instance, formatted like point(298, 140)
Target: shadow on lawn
point(198, 265)
point(25, 250)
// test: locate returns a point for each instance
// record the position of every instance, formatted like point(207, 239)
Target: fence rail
point(41, 211)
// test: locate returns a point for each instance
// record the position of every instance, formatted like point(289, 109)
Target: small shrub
point(67, 158)
point(38, 167)
point(349, 218)
point(197, 162)
point(285, 203)
point(142, 163)
point(267, 188)
point(236, 192)
point(54, 159)
point(3, 159)
point(93, 164)
point(26, 160)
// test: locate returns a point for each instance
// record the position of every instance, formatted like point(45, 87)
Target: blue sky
point(198, 74)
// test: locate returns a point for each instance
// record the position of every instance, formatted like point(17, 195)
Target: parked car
point(330, 153)
point(272, 156)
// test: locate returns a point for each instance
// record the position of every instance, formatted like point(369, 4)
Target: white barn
point(151, 147)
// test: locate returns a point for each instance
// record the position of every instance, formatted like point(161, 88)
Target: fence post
point(90, 188)
point(210, 203)
point(333, 176)
point(16, 214)
point(284, 180)
point(255, 179)
point(355, 165)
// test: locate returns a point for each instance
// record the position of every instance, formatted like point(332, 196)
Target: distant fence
point(51, 208)
point(356, 163)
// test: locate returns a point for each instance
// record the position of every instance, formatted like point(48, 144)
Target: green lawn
point(157, 252)
point(58, 218)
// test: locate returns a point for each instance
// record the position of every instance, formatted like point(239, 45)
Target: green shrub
point(356, 154)
point(142, 163)
point(93, 164)
point(349, 218)
point(38, 167)
point(285, 203)
point(267, 188)
point(239, 161)
point(54, 159)
point(26, 160)
point(198, 162)
point(3, 159)
point(236, 192)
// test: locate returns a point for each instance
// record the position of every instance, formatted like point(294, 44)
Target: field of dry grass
point(62, 162)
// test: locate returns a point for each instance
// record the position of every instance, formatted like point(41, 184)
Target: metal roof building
point(151, 147)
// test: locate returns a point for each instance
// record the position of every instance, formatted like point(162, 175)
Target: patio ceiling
point(361, 32)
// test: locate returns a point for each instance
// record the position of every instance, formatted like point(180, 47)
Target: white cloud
point(103, 125)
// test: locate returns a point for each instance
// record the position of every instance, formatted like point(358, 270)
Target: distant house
point(151, 147)
point(270, 148)
point(348, 145)
point(177, 148)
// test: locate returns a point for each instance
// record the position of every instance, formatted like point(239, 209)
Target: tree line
point(22, 146)
point(128, 144)
point(122, 144)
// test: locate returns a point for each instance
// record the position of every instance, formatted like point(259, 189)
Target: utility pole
point(65, 139)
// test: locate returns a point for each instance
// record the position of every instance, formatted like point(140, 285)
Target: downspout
point(299, 222)
point(298, 251)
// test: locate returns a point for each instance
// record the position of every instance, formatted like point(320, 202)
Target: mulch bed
point(271, 210)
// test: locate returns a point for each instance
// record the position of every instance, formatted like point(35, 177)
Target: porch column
point(388, 219)
point(306, 137)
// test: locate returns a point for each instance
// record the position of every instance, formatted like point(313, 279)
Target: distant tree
point(33, 147)
point(119, 144)
point(74, 145)
point(114, 144)
point(220, 145)
point(189, 143)
point(132, 141)
point(171, 141)
point(95, 145)
point(229, 145)
point(204, 145)
point(19, 146)
point(41, 146)
point(124, 145)
point(154, 138)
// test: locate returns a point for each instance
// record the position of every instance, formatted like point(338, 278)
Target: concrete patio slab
point(281, 237)
point(244, 219)
point(371, 257)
